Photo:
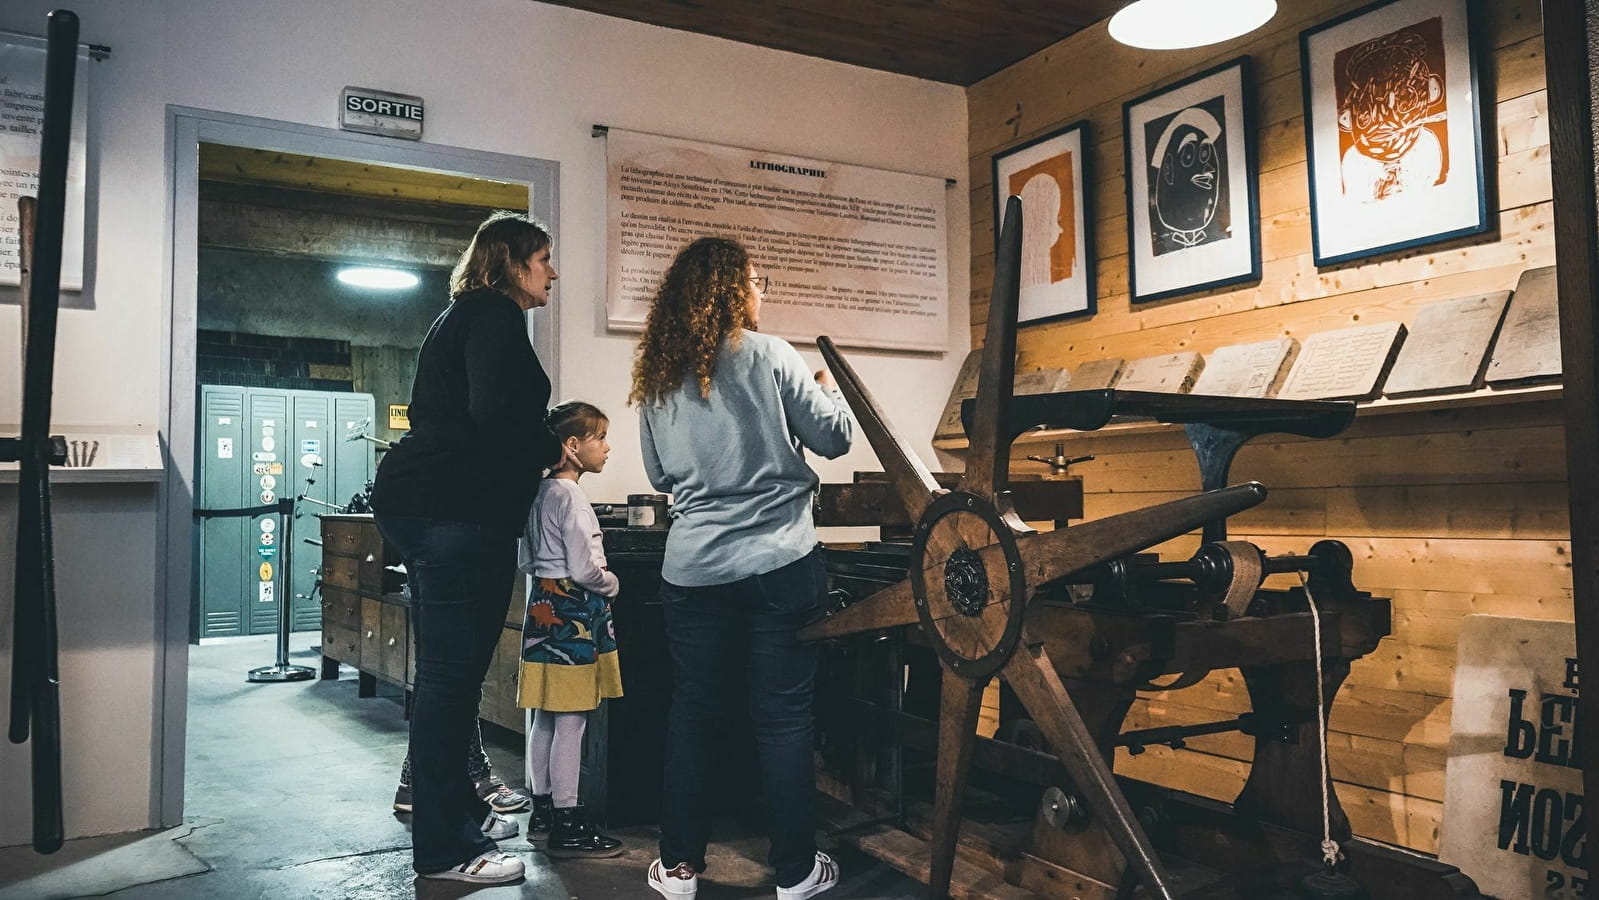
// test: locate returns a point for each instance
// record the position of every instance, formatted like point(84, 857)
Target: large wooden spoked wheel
point(975, 564)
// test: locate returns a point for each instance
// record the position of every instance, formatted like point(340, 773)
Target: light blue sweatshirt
point(735, 462)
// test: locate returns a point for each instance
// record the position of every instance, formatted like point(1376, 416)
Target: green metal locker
point(219, 590)
point(287, 444)
point(267, 411)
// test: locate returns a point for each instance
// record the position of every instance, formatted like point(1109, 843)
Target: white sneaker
point(823, 876)
point(681, 882)
point(498, 827)
point(492, 867)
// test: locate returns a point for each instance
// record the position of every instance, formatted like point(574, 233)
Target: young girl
point(569, 659)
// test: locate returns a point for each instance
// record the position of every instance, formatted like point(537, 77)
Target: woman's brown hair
point(504, 240)
point(704, 297)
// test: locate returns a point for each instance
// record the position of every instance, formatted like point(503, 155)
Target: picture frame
point(1193, 194)
point(1404, 168)
point(1052, 175)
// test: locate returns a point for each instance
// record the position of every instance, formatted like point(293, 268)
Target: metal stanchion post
point(281, 670)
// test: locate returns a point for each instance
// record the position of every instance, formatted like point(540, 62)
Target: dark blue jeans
point(460, 577)
point(738, 639)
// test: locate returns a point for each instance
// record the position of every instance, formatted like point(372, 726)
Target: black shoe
point(542, 819)
point(573, 836)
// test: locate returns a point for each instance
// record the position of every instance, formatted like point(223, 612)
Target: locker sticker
point(268, 525)
point(270, 423)
point(268, 482)
point(311, 460)
point(268, 497)
point(275, 468)
point(268, 431)
point(266, 571)
point(268, 539)
point(259, 468)
point(224, 420)
point(224, 448)
point(310, 423)
point(311, 445)
point(268, 443)
point(264, 457)
point(267, 594)
point(266, 552)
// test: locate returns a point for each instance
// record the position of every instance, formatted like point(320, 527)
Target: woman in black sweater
point(452, 496)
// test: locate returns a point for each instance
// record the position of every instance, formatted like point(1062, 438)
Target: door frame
point(186, 129)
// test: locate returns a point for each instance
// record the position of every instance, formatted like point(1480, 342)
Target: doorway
point(265, 216)
point(316, 280)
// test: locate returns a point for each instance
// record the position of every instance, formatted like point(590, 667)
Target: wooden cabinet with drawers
point(366, 619)
point(364, 622)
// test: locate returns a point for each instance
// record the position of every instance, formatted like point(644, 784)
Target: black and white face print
point(1188, 190)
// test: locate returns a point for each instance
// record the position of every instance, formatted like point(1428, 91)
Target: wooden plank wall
point(1449, 512)
point(386, 373)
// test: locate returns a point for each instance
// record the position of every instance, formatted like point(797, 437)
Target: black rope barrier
point(282, 584)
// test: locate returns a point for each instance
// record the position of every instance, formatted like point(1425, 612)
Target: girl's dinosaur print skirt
point(569, 659)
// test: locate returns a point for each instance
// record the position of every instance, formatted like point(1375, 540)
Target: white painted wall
point(509, 76)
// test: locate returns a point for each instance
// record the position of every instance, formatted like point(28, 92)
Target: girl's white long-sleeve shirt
point(563, 539)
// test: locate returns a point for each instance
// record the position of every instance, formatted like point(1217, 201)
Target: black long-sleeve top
point(478, 439)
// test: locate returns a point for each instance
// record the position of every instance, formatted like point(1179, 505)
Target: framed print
point(1393, 128)
point(1192, 200)
point(1051, 175)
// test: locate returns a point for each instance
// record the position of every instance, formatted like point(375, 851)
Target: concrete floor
point(288, 789)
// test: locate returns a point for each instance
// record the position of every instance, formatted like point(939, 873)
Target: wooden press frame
point(1570, 28)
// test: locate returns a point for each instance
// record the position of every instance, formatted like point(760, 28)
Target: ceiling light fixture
point(379, 278)
point(1179, 24)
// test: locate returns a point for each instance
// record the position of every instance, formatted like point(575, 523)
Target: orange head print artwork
point(1393, 112)
point(1049, 219)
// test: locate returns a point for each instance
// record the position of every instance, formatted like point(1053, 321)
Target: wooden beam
point(338, 176)
point(329, 235)
point(462, 218)
point(1570, 30)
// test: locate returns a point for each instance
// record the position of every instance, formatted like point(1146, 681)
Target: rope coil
point(1330, 851)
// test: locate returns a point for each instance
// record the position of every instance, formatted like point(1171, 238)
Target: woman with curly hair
point(726, 414)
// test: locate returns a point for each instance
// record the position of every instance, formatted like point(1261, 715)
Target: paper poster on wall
point(1052, 176)
point(21, 117)
point(857, 254)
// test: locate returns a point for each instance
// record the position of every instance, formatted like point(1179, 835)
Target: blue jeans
point(460, 576)
point(731, 639)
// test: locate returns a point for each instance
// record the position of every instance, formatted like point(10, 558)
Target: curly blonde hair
point(704, 297)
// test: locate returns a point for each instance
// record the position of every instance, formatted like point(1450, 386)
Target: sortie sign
point(381, 112)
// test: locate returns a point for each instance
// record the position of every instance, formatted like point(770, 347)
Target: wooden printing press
point(1074, 622)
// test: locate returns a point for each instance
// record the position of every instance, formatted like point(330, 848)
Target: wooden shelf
point(10, 474)
point(1381, 406)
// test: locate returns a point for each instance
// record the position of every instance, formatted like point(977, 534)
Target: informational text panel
point(21, 119)
point(857, 254)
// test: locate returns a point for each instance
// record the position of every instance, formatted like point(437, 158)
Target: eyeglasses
point(761, 283)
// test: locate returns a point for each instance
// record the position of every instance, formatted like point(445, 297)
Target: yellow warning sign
point(399, 416)
point(266, 571)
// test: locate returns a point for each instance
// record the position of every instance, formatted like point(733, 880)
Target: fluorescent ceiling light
point(380, 278)
point(1177, 24)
